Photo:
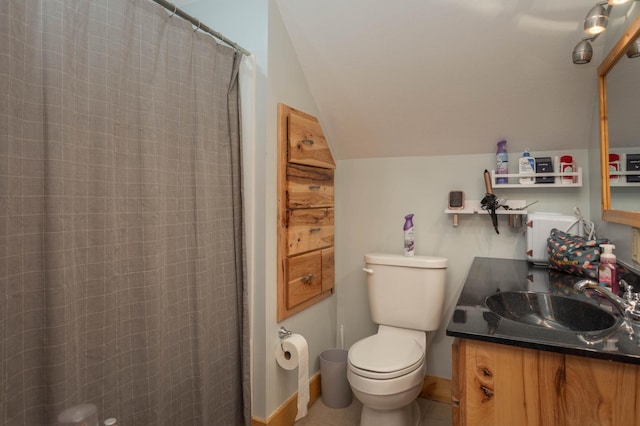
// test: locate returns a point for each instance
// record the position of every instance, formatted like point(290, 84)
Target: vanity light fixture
point(634, 50)
point(594, 24)
point(597, 19)
point(583, 51)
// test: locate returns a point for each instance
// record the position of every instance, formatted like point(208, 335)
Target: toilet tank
point(406, 292)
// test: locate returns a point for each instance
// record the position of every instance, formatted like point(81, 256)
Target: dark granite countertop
point(473, 320)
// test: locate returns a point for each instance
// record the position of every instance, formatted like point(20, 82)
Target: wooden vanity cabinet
point(496, 384)
point(305, 212)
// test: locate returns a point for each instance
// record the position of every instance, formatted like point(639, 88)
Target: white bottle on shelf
point(526, 165)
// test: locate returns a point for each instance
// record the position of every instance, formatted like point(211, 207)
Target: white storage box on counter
point(539, 225)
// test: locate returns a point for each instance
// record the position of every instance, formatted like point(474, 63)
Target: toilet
point(386, 370)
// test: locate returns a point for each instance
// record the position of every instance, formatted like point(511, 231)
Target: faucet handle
point(629, 295)
point(632, 298)
point(633, 308)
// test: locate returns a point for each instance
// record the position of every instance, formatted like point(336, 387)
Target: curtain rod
point(176, 11)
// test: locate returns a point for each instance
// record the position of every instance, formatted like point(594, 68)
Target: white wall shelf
point(623, 184)
point(474, 207)
point(513, 178)
point(622, 180)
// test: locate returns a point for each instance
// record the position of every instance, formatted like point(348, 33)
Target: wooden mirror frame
point(623, 217)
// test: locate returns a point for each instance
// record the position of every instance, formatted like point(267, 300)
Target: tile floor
point(433, 414)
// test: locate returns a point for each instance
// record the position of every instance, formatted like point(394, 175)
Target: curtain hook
point(175, 9)
point(197, 27)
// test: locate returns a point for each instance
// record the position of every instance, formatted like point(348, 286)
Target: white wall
point(286, 84)
point(374, 195)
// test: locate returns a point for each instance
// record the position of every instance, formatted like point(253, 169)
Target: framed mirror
point(619, 89)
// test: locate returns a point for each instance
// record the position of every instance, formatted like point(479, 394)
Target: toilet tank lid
point(432, 262)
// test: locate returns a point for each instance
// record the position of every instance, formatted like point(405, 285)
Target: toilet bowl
point(386, 370)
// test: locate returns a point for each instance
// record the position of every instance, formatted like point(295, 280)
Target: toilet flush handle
point(367, 270)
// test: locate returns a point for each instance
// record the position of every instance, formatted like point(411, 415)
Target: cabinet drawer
point(304, 278)
point(309, 229)
point(307, 144)
point(309, 187)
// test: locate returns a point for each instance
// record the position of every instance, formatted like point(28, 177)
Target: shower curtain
point(121, 237)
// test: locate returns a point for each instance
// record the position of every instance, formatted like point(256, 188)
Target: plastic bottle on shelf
point(614, 166)
point(502, 162)
point(607, 269)
point(409, 241)
point(526, 165)
point(567, 166)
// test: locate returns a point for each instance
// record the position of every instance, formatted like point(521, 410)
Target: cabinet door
point(307, 144)
point(309, 229)
point(508, 385)
point(304, 278)
point(457, 384)
point(309, 187)
point(327, 269)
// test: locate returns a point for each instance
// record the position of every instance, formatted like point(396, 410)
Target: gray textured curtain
point(121, 246)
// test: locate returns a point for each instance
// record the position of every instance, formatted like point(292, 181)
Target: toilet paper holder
point(283, 333)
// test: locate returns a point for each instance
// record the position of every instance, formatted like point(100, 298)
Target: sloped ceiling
point(444, 77)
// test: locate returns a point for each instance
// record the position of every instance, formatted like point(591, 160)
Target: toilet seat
point(385, 356)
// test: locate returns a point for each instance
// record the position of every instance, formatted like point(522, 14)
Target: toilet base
point(405, 416)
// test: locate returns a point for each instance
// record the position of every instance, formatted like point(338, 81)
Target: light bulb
point(596, 20)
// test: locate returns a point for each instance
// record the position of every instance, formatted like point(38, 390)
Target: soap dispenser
point(607, 269)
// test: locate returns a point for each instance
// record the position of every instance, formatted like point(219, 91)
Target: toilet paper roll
point(292, 353)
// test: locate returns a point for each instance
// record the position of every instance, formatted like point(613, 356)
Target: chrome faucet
point(623, 305)
point(628, 305)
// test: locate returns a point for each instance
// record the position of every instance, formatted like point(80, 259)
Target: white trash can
point(336, 392)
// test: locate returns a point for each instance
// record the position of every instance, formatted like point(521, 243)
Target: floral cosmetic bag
point(574, 254)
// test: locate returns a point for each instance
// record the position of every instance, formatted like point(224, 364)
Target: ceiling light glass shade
point(634, 50)
point(582, 53)
point(617, 2)
point(596, 20)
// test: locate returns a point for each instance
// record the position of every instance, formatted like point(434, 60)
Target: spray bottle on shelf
point(502, 162)
point(607, 269)
point(408, 235)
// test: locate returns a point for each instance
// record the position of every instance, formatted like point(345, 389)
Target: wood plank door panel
point(307, 144)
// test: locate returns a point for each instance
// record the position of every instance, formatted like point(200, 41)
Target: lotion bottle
point(408, 235)
point(607, 269)
point(502, 162)
point(526, 165)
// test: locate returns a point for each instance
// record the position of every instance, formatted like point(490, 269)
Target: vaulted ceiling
point(441, 77)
